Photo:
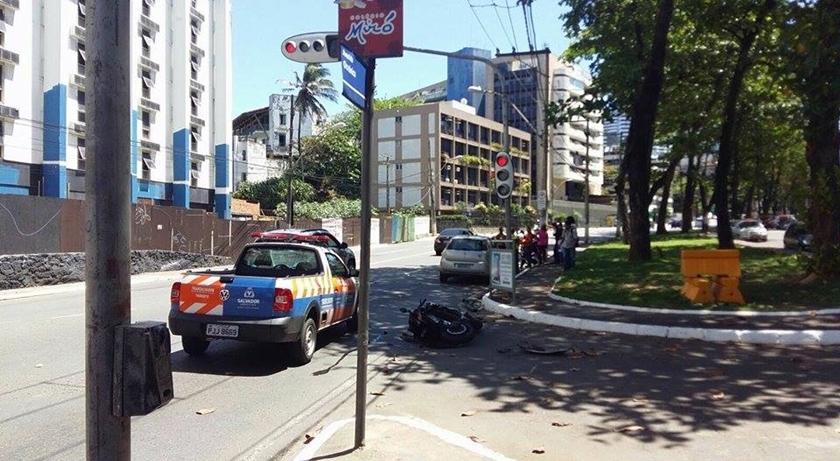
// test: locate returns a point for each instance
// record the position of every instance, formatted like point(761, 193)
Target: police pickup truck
point(278, 291)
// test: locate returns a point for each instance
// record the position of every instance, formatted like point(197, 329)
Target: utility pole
point(586, 186)
point(387, 185)
point(108, 219)
point(432, 187)
point(290, 187)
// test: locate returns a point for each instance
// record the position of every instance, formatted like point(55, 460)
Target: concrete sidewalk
point(536, 303)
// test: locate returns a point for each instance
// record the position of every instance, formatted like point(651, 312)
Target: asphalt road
point(260, 401)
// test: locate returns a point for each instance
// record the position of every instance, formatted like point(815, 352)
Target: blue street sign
point(354, 73)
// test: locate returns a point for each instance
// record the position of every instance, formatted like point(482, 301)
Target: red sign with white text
point(371, 28)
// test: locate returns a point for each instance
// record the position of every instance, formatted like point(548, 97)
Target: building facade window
point(146, 43)
point(81, 59)
point(194, 66)
point(195, 101)
point(148, 84)
point(147, 124)
point(194, 174)
point(195, 30)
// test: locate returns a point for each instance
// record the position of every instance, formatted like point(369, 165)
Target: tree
point(331, 162)
point(632, 73)
point(813, 54)
point(314, 86)
point(271, 192)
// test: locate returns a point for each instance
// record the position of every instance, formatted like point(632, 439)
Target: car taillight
point(175, 294)
point(283, 299)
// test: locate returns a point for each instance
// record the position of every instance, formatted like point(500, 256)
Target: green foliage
point(271, 193)
point(447, 221)
point(332, 162)
point(338, 208)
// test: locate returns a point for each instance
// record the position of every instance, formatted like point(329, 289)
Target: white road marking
point(66, 316)
point(447, 436)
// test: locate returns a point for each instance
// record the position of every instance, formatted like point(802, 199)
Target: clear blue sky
point(260, 26)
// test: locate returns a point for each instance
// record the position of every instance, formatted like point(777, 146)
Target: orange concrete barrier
point(711, 276)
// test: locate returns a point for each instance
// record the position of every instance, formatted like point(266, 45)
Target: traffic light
point(503, 168)
point(317, 47)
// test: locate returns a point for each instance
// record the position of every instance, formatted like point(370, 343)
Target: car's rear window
point(749, 224)
point(450, 232)
point(468, 245)
point(278, 262)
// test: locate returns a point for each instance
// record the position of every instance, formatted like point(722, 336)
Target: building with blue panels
point(181, 101)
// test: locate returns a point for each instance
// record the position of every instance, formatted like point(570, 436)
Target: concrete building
point(531, 80)
point(429, 154)
point(181, 100)
point(262, 140)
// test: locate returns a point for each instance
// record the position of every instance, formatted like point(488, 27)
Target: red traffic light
point(502, 160)
point(290, 47)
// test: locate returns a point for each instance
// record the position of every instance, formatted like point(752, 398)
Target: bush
point(338, 208)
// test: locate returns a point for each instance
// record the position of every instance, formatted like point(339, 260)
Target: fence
point(33, 224)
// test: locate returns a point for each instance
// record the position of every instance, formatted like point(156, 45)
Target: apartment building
point(262, 138)
point(181, 100)
point(531, 80)
point(441, 154)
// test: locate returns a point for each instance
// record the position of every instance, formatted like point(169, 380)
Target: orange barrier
point(711, 276)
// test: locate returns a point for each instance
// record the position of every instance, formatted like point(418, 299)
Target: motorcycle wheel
point(458, 332)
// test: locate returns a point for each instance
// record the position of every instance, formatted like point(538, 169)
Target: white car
point(752, 230)
point(465, 255)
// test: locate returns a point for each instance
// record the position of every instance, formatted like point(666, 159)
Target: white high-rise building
point(181, 100)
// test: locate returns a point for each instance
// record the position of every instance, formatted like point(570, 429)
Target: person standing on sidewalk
point(570, 241)
point(542, 244)
point(558, 239)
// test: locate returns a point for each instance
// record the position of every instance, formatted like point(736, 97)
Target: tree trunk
point(688, 198)
point(823, 144)
point(640, 138)
point(705, 209)
point(728, 142)
point(661, 229)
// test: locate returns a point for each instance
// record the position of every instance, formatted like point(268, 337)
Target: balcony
point(79, 127)
point(149, 146)
point(11, 4)
point(196, 14)
point(196, 121)
point(196, 50)
point(196, 86)
point(148, 64)
point(9, 113)
point(7, 57)
point(147, 22)
point(150, 105)
point(79, 33)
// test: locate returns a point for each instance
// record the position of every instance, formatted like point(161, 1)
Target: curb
point(779, 337)
point(647, 310)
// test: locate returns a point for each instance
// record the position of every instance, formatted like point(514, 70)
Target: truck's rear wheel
point(304, 348)
point(194, 345)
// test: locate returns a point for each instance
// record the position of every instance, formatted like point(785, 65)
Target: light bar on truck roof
point(290, 237)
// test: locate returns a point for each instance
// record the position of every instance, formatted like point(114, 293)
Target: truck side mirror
point(354, 272)
point(343, 245)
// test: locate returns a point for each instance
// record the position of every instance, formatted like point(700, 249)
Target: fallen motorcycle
point(441, 326)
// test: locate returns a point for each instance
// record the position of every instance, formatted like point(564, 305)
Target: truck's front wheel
point(194, 345)
point(304, 348)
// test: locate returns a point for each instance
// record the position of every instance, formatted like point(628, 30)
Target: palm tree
point(311, 89)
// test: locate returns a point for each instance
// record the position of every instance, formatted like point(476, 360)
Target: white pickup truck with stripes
point(276, 292)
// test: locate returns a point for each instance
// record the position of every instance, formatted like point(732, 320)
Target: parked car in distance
point(797, 237)
point(675, 220)
point(321, 237)
point(751, 230)
point(445, 235)
point(782, 221)
point(713, 221)
point(465, 255)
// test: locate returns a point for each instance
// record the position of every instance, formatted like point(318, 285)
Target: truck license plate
point(225, 331)
point(463, 265)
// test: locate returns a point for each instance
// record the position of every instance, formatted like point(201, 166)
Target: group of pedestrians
point(533, 247)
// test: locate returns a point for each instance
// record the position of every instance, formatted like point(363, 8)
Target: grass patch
point(769, 278)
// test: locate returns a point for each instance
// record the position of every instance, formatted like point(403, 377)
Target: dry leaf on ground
point(205, 411)
point(631, 429)
point(559, 424)
point(383, 405)
point(718, 395)
point(538, 450)
point(518, 378)
point(640, 399)
point(476, 439)
point(377, 393)
point(39, 365)
point(714, 372)
point(308, 438)
point(469, 413)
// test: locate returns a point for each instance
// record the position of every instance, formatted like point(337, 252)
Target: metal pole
point(586, 187)
point(364, 264)
point(290, 187)
point(432, 195)
point(108, 216)
point(506, 147)
point(388, 185)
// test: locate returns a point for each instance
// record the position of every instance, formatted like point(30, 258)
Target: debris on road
point(541, 350)
point(469, 413)
point(205, 411)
